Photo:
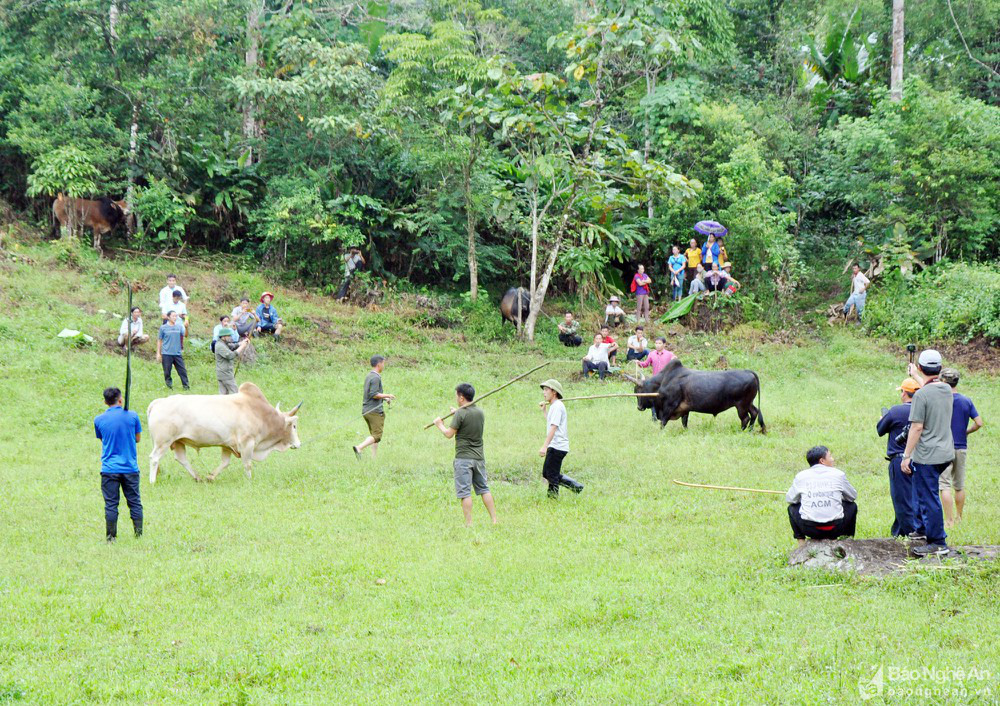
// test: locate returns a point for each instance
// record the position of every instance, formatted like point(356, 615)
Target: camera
point(902, 436)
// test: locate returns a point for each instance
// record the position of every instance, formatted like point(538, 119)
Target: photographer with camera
point(895, 423)
point(929, 447)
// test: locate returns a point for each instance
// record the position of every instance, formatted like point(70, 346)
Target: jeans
point(569, 339)
point(633, 355)
point(929, 511)
point(697, 285)
point(844, 527)
point(344, 286)
point(176, 361)
point(600, 368)
point(857, 301)
point(904, 501)
point(129, 484)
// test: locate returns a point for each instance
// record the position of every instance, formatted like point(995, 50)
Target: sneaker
point(931, 549)
point(916, 536)
point(187, 387)
point(357, 454)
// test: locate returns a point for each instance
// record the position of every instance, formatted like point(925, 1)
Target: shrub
point(948, 302)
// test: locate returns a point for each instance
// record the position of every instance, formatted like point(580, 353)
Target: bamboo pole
point(483, 397)
point(620, 394)
point(726, 487)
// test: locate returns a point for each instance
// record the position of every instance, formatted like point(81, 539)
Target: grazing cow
point(100, 216)
point(682, 391)
point(509, 303)
point(244, 424)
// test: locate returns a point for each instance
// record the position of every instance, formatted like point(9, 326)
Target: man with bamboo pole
point(470, 461)
point(556, 444)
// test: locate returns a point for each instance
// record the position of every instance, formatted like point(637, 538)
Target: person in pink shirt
point(658, 358)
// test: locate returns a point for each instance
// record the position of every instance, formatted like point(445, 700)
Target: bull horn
point(278, 406)
point(295, 409)
point(642, 377)
point(630, 378)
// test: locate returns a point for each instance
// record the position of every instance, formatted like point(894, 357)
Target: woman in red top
point(640, 285)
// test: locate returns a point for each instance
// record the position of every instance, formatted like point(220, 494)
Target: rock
point(877, 557)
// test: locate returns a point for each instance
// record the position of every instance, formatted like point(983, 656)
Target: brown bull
point(100, 216)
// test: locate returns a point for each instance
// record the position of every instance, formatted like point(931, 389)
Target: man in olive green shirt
point(226, 354)
point(470, 462)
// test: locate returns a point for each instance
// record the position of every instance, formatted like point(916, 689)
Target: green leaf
point(681, 308)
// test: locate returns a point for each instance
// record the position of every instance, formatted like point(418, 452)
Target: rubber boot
point(138, 527)
point(553, 491)
point(111, 527)
point(573, 485)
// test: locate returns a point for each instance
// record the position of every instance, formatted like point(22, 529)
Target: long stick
point(726, 487)
point(621, 394)
point(482, 397)
point(128, 351)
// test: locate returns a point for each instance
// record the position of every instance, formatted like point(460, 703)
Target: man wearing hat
point(226, 353)
point(614, 315)
point(894, 424)
point(556, 444)
point(268, 320)
point(963, 411)
point(929, 447)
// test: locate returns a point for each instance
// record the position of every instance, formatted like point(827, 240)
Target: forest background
point(472, 146)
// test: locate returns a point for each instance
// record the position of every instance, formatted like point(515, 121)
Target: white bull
point(244, 424)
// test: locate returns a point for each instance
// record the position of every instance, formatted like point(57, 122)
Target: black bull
point(509, 305)
point(682, 391)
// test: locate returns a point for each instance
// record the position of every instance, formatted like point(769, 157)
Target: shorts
point(470, 473)
point(954, 475)
point(376, 421)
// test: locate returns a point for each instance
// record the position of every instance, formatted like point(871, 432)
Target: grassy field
point(636, 591)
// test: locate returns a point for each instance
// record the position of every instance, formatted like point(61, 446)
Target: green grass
point(636, 591)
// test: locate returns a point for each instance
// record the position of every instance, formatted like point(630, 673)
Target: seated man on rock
point(821, 500)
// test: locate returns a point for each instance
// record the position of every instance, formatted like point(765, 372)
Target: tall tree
point(896, 71)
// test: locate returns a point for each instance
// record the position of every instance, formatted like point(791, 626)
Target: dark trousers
point(568, 339)
point(344, 286)
point(633, 355)
point(129, 485)
point(904, 501)
point(552, 472)
point(929, 512)
point(176, 361)
point(844, 527)
point(600, 368)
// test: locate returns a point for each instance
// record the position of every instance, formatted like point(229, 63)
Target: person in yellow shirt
point(693, 255)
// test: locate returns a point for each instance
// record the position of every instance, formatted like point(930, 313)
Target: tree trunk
point(896, 71)
point(470, 215)
point(538, 295)
point(650, 87)
point(133, 146)
point(113, 14)
point(250, 132)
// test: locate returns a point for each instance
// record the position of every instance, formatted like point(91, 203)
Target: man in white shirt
point(177, 304)
point(614, 315)
point(134, 322)
point(821, 500)
point(167, 293)
point(638, 345)
point(556, 444)
point(859, 292)
point(596, 359)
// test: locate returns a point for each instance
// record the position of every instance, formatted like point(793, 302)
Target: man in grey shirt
point(371, 406)
point(929, 447)
point(226, 353)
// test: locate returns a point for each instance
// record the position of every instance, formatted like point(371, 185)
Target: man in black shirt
point(895, 423)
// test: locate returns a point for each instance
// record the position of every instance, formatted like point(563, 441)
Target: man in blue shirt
point(963, 412)
point(894, 423)
point(170, 350)
point(268, 320)
point(119, 432)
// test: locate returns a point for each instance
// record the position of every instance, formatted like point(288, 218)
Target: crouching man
point(821, 500)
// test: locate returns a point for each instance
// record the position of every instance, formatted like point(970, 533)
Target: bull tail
point(760, 415)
